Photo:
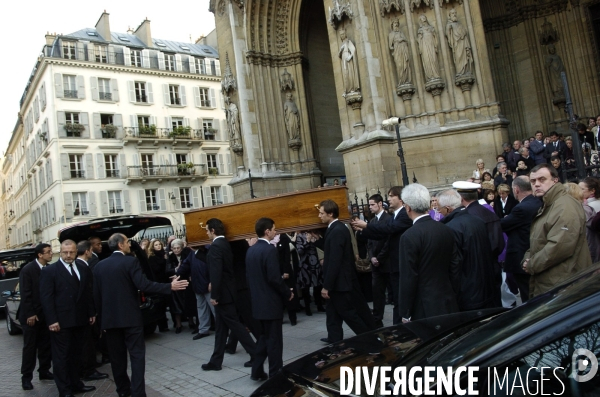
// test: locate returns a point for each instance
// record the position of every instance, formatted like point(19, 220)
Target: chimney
point(103, 26)
point(50, 38)
point(143, 33)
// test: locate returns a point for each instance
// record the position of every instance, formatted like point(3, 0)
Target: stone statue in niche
point(349, 66)
point(458, 40)
point(428, 47)
point(399, 48)
point(554, 67)
point(292, 121)
point(286, 81)
point(417, 3)
point(233, 125)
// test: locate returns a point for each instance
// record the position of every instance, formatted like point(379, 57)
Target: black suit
point(517, 226)
point(70, 304)
point(223, 290)
point(381, 273)
point(429, 271)
point(286, 267)
point(93, 261)
point(36, 339)
point(550, 148)
point(346, 302)
point(117, 280)
point(88, 363)
point(391, 229)
point(501, 211)
point(269, 294)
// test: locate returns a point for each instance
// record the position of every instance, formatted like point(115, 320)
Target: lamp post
point(395, 121)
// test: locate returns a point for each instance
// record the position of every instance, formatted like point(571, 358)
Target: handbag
point(362, 265)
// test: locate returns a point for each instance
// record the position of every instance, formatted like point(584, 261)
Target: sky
point(23, 24)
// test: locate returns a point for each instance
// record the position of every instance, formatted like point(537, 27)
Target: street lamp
point(395, 121)
point(9, 230)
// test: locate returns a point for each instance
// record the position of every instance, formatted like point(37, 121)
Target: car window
point(11, 269)
point(565, 368)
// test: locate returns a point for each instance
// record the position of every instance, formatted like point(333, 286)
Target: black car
point(552, 341)
point(153, 306)
point(11, 262)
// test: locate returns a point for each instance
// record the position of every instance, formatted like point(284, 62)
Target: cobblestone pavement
point(173, 363)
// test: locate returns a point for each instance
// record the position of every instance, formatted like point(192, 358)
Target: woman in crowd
point(311, 273)
point(593, 237)
point(590, 187)
point(144, 244)
point(478, 173)
point(505, 201)
point(158, 265)
point(487, 177)
point(183, 305)
point(489, 196)
point(433, 209)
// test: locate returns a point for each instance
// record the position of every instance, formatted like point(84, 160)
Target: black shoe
point(320, 308)
point(194, 331)
point(248, 364)
point(95, 376)
point(165, 329)
point(308, 311)
point(26, 384)
point(200, 336)
point(177, 330)
point(326, 340)
point(84, 389)
point(229, 350)
point(46, 375)
point(210, 367)
point(125, 394)
point(260, 377)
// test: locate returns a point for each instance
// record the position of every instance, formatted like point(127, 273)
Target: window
point(104, 92)
point(72, 131)
point(69, 50)
point(111, 166)
point(147, 164)
point(106, 119)
point(174, 95)
point(114, 202)
point(140, 92)
point(215, 195)
point(80, 204)
point(76, 166)
point(204, 98)
point(143, 121)
point(69, 86)
point(169, 62)
point(184, 197)
point(136, 58)
point(177, 122)
point(213, 67)
point(209, 132)
point(101, 53)
point(200, 66)
point(151, 200)
point(211, 159)
point(181, 158)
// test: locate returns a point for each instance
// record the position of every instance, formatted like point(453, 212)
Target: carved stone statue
point(286, 81)
point(417, 3)
point(399, 47)
point(233, 123)
point(555, 66)
point(292, 118)
point(349, 67)
point(458, 40)
point(428, 47)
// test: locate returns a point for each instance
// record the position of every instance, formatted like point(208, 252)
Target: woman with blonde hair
point(478, 173)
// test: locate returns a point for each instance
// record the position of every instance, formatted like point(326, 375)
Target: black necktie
point(73, 274)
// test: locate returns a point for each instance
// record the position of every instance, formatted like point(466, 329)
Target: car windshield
point(464, 345)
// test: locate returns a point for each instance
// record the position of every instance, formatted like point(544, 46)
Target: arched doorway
point(322, 101)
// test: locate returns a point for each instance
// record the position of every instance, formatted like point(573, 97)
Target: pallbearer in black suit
point(36, 337)
point(223, 296)
point(340, 286)
point(96, 244)
point(66, 294)
point(269, 294)
point(429, 268)
point(117, 280)
point(88, 363)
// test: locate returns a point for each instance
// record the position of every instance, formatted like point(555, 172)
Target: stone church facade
point(309, 82)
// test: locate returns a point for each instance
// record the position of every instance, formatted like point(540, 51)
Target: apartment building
point(117, 124)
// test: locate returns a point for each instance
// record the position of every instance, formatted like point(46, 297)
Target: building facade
point(118, 124)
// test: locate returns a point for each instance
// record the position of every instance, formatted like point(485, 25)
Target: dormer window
point(69, 50)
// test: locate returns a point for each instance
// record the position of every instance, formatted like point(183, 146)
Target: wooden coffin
point(291, 212)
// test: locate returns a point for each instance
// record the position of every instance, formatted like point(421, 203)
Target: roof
point(130, 40)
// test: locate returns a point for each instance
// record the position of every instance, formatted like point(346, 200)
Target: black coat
point(513, 159)
point(429, 271)
point(499, 180)
point(550, 148)
point(64, 302)
point(93, 261)
point(117, 280)
point(285, 260)
point(195, 266)
point(492, 222)
point(268, 291)
point(220, 265)
point(511, 202)
point(159, 267)
point(29, 287)
point(339, 263)
point(380, 248)
point(392, 229)
point(476, 259)
point(517, 226)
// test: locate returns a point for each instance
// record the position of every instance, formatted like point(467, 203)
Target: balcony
point(70, 94)
point(109, 131)
point(155, 135)
point(115, 210)
point(105, 96)
point(160, 172)
point(79, 212)
point(77, 174)
point(112, 173)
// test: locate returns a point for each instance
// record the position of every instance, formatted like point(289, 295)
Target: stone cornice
point(520, 13)
point(261, 58)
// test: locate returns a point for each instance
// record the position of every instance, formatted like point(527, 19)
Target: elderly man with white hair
point(475, 253)
point(429, 264)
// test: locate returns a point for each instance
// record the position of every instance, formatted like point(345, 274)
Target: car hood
point(105, 227)
point(320, 371)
